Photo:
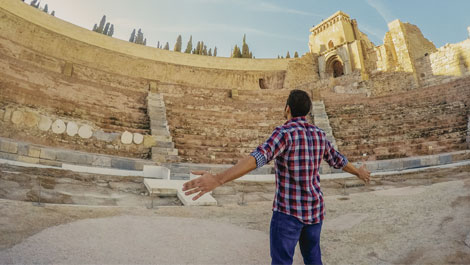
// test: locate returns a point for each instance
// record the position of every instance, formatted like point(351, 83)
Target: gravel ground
point(414, 222)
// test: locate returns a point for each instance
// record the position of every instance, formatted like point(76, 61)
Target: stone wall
point(419, 122)
point(446, 64)
point(47, 35)
point(302, 71)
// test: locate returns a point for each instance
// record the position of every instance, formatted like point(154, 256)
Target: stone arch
point(335, 66)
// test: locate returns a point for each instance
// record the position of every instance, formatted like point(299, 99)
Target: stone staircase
point(164, 150)
point(321, 120)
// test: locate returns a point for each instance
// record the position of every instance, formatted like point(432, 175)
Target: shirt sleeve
point(269, 150)
point(333, 157)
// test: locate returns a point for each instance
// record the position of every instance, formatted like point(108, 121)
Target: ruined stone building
point(70, 95)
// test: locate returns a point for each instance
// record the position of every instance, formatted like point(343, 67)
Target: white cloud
point(269, 7)
point(381, 9)
point(373, 31)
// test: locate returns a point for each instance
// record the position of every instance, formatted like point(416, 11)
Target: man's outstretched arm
point(362, 172)
point(208, 182)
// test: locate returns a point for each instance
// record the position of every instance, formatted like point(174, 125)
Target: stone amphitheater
point(97, 136)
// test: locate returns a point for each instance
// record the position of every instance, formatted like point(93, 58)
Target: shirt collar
point(297, 119)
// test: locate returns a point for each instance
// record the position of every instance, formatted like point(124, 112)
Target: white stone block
point(58, 127)
point(72, 128)
point(85, 131)
point(17, 117)
point(44, 123)
point(175, 187)
point(126, 137)
point(205, 200)
point(156, 172)
point(138, 138)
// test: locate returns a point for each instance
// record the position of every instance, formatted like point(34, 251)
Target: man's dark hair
point(299, 103)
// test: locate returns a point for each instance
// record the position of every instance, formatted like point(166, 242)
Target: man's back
point(298, 149)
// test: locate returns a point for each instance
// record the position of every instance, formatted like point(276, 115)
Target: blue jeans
point(286, 231)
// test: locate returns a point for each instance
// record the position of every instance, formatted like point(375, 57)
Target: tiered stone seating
point(209, 126)
point(423, 121)
point(29, 80)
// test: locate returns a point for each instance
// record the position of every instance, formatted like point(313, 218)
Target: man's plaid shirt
point(298, 148)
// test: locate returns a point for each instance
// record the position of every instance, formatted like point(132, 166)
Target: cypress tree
point(198, 47)
point(111, 31)
point(296, 55)
point(95, 28)
point(245, 50)
point(210, 52)
point(53, 13)
point(189, 47)
point(145, 42)
point(167, 46)
point(46, 9)
point(287, 55)
point(132, 38)
point(102, 24)
point(215, 51)
point(178, 44)
point(106, 29)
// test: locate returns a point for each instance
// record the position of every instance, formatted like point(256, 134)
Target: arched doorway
point(337, 68)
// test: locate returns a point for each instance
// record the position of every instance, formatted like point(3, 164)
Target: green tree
point(287, 55)
point(245, 49)
point(198, 48)
point(132, 38)
point(296, 55)
point(106, 29)
point(46, 8)
point(210, 52)
point(167, 46)
point(53, 13)
point(102, 24)
point(178, 44)
point(145, 42)
point(215, 51)
point(111, 31)
point(189, 46)
point(236, 52)
point(95, 28)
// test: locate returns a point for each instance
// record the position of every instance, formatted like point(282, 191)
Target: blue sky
point(273, 27)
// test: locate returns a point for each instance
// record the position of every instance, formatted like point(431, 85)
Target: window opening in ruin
point(261, 83)
point(337, 69)
point(331, 45)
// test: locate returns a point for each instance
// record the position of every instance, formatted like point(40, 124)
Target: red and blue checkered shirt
point(297, 148)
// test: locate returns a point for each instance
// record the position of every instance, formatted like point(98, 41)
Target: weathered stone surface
point(138, 138)
point(74, 157)
point(8, 147)
point(72, 128)
point(27, 159)
point(48, 154)
point(68, 69)
point(7, 115)
point(31, 119)
point(58, 127)
point(2, 114)
point(23, 149)
point(149, 141)
point(17, 117)
point(85, 131)
point(101, 161)
point(50, 163)
point(126, 137)
point(156, 172)
point(34, 151)
point(104, 136)
point(122, 163)
point(45, 123)
point(445, 159)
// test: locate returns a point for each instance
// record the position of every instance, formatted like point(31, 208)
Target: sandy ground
point(415, 219)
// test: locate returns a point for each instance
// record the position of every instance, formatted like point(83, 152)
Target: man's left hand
point(203, 184)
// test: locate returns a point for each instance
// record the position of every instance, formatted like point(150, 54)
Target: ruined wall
point(302, 71)
point(448, 63)
point(53, 37)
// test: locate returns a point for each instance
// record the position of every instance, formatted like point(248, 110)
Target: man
point(298, 209)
